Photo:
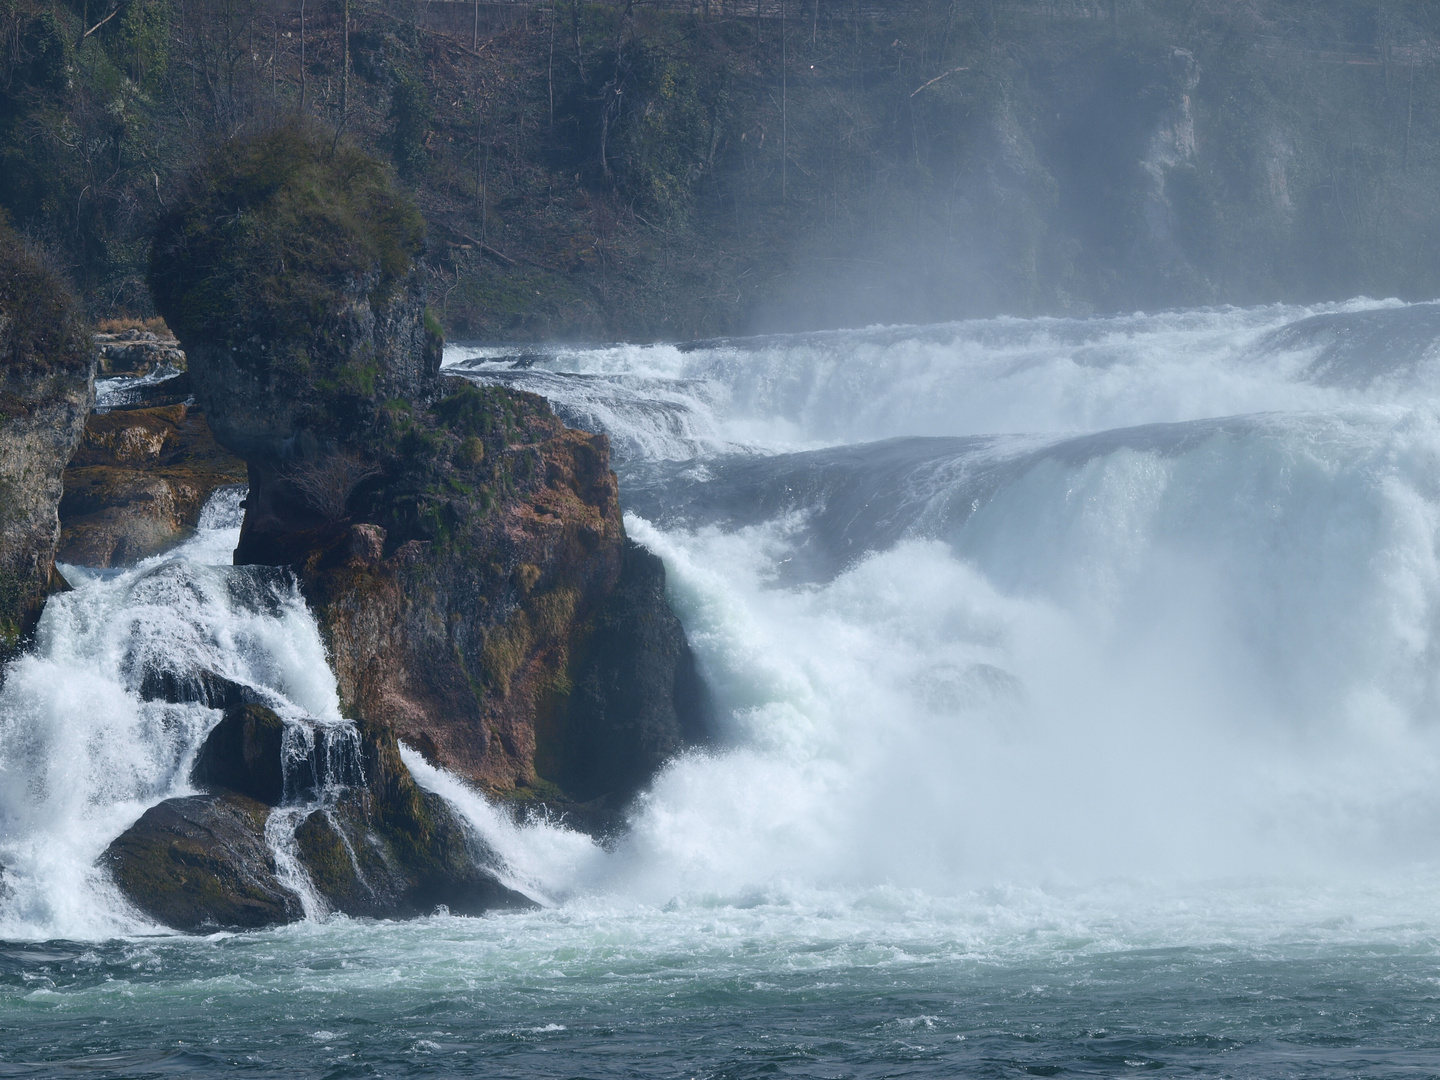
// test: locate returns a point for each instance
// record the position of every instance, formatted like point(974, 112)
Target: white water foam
point(984, 377)
point(82, 754)
point(1204, 648)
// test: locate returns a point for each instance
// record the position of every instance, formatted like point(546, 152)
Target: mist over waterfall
point(1017, 598)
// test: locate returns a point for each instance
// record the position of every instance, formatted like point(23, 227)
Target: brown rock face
point(47, 388)
point(138, 482)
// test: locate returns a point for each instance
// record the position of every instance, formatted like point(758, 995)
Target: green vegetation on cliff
point(41, 330)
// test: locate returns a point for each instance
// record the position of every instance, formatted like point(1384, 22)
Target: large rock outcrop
point(47, 388)
point(463, 550)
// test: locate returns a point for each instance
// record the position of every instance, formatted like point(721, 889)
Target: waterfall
point(104, 717)
point(1153, 594)
point(1003, 600)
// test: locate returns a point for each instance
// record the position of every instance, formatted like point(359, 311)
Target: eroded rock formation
point(138, 482)
point(462, 549)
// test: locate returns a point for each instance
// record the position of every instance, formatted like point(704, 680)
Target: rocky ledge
point(136, 351)
point(138, 482)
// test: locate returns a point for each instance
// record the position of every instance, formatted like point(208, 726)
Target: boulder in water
point(201, 863)
point(244, 754)
point(373, 844)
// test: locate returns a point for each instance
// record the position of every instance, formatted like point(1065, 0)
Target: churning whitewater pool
point(1079, 698)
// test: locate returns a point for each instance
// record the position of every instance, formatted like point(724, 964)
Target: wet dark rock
point(201, 863)
point(244, 754)
point(202, 687)
point(406, 850)
point(362, 872)
point(376, 845)
point(636, 697)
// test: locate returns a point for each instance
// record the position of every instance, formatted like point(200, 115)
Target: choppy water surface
point(1079, 684)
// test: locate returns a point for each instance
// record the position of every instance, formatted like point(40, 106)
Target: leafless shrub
point(327, 484)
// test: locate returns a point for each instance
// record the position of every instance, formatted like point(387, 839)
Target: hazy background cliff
point(676, 170)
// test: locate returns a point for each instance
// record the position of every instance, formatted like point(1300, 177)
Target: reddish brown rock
point(138, 482)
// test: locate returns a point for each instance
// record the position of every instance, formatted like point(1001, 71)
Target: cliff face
point(463, 550)
point(46, 390)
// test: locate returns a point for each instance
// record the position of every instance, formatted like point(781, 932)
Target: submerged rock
point(202, 863)
point(138, 482)
point(47, 388)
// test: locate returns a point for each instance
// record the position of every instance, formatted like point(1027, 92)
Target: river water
point(1079, 713)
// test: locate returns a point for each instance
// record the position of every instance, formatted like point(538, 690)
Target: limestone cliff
point(47, 388)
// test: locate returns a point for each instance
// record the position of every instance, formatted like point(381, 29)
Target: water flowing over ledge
point(1078, 678)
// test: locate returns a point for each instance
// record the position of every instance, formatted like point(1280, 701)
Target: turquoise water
point(1030, 983)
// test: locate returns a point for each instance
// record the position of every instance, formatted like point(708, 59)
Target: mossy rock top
point(275, 233)
point(287, 272)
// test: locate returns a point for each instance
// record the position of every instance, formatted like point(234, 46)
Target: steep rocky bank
point(47, 369)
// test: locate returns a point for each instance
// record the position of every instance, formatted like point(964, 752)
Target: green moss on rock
point(279, 226)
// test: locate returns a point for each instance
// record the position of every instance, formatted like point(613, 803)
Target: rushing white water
point(1186, 623)
point(86, 746)
point(1147, 597)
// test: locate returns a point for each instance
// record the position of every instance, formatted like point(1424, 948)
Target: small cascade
point(129, 674)
point(321, 760)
